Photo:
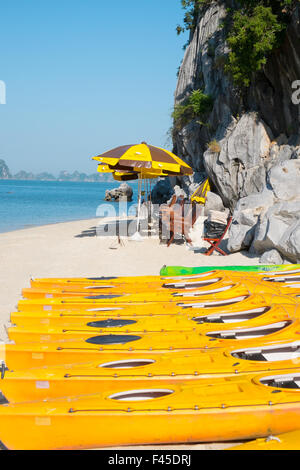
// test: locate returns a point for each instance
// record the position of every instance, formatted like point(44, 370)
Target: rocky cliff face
point(251, 133)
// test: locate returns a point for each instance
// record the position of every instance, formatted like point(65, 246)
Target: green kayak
point(168, 271)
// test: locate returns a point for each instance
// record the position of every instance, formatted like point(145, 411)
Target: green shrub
point(252, 38)
point(253, 28)
point(196, 105)
point(256, 30)
point(191, 8)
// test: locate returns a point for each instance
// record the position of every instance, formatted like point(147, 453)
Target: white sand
point(57, 251)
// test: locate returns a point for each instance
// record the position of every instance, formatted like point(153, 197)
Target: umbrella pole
point(147, 204)
point(139, 203)
point(137, 236)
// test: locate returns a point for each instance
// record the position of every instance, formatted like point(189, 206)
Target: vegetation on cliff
point(255, 32)
point(191, 8)
point(195, 106)
point(255, 29)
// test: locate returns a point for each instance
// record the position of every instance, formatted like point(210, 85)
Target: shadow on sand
point(119, 228)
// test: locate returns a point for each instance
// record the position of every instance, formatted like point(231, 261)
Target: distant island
point(76, 176)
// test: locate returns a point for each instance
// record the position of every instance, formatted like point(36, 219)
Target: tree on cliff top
point(255, 29)
point(253, 36)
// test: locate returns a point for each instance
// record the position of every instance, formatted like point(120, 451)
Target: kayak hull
point(65, 432)
point(236, 408)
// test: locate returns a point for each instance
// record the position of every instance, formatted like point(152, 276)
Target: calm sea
point(26, 204)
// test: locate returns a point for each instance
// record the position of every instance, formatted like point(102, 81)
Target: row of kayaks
point(202, 356)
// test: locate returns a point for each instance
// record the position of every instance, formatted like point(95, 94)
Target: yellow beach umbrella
point(103, 168)
point(146, 160)
point(200, 194)
point(123, 175)
point(143, 157)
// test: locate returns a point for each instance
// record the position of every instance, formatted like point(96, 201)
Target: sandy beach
point(72, 249)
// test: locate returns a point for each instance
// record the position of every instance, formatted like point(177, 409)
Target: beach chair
point(175, 223)
point(164, 214)
point(215, 242)
point(178, 221)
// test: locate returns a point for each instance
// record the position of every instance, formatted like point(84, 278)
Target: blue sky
point(84, 76)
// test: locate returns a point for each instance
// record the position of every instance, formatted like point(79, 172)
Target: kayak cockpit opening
point(275, 274)
point(102, 297)
point(249, 333)
point(284, 279)
point(103, 278)
point(283, 352)
point(111, 323)
point(191, 285)
point(104, 309)
point(127, 364)
point(112, 339)
point(141, 395)
point(232, 317)
point(292, 285)
point(287, 381)
point(214, 303)
point(204, 292)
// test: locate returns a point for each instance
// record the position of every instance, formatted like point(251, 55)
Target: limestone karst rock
point(123, 192)
point(248, 142)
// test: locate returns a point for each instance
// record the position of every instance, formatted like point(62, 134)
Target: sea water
point(25, 204)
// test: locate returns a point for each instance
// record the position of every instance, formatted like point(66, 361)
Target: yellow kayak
point(213, 287)
point(95, 307)
point(214, 284)
point(38, 289)
point(28, 355)
point(134, 296)
point(180, 319)
point(141, 370)
point(221, 293)
point(53, 314)
point(218, 409)
point(140, 282)
point(166, 324)
point(286, 441)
